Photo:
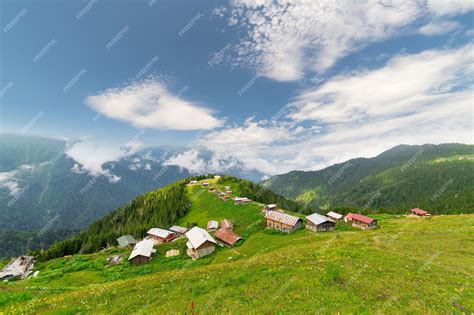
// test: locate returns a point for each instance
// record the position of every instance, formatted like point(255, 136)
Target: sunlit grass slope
point(407, 265)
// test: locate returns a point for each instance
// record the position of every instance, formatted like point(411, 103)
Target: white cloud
point(91, 156)
point(439, 28)
point(9, 181)
point(413, 99)
point(284, 39)
point(149, 104)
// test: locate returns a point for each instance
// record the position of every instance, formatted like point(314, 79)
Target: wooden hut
point(334, 216)
point(18, 268)
point(200, 243)
point(160, 235)
point(142, 253)
point(270, 207)
point(419, 212)
point(282, 222)
point(348, 217)
point(179, 230)
point(227, 224)
point(320, 223)
point(363, 222)
point(126, 240)
point(227, 236)
point(212, 225)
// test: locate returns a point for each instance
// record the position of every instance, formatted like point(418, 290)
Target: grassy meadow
point(407, 265)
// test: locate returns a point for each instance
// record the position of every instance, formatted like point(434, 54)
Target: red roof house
point(419, 212)
point(227, 236)
point(363, 222)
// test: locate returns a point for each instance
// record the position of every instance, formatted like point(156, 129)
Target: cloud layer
point(285, 38)
point(149, 104)
point(413, 99)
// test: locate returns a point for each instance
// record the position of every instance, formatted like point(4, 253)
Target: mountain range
point(46, 195)
point(439, 178)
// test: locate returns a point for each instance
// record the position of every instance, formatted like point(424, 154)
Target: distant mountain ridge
point(439, 178)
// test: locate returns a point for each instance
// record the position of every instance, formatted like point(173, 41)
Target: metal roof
point(178, 229)
point(282, 217)
point(227, 224)
point(228, 236)
point(161, 233)
point(362, 218)
point(419, 211)
point(212, 225)
point(197, 236)
point(143, 248)
point(126, 240)
point(334, 215)
point(271, 206)
point(317, 218)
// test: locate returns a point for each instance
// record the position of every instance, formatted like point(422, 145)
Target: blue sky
point(267, 86)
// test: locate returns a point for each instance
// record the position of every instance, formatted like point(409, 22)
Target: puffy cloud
point(282, 39)
point(149, 104)
point(413, 99)
point(439, 28)
point(9, 181)
point(91, 156)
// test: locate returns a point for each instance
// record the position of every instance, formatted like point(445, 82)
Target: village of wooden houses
point(203, 240)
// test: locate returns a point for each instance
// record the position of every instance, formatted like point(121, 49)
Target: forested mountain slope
point(159, 208)
point(439, 178)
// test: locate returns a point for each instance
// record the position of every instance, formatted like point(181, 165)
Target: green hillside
point(439, 178)
point(159, 208)
point(406, 265)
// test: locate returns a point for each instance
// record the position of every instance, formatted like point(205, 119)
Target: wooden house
point(241, 200)
point(419, 212)
point(160, 235)
point(227, 236)
point(348, 217)
point(126, 240)
point(363, 222)
point(334, 216)
point(320, 223)
point(270, 207)
point(227, 224)
point(200, 243)
point(282, 222)
point(211, 189)
point(212, 225)
point(18, 268)
point(179, 230)
point(142, 253)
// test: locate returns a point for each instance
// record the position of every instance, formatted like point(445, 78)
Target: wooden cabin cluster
point(201, 243)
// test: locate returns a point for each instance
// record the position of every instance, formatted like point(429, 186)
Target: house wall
point(282, 227)
point(139, 260)
point(323, 227)
point(203, 250)
point(364, 225)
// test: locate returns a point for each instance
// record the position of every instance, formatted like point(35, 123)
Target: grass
point(408, 265)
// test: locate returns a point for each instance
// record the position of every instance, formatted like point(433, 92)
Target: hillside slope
point(407, 265)
point(439, 178)
point(159, 208)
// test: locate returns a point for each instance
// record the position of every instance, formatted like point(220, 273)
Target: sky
point(262, 85)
